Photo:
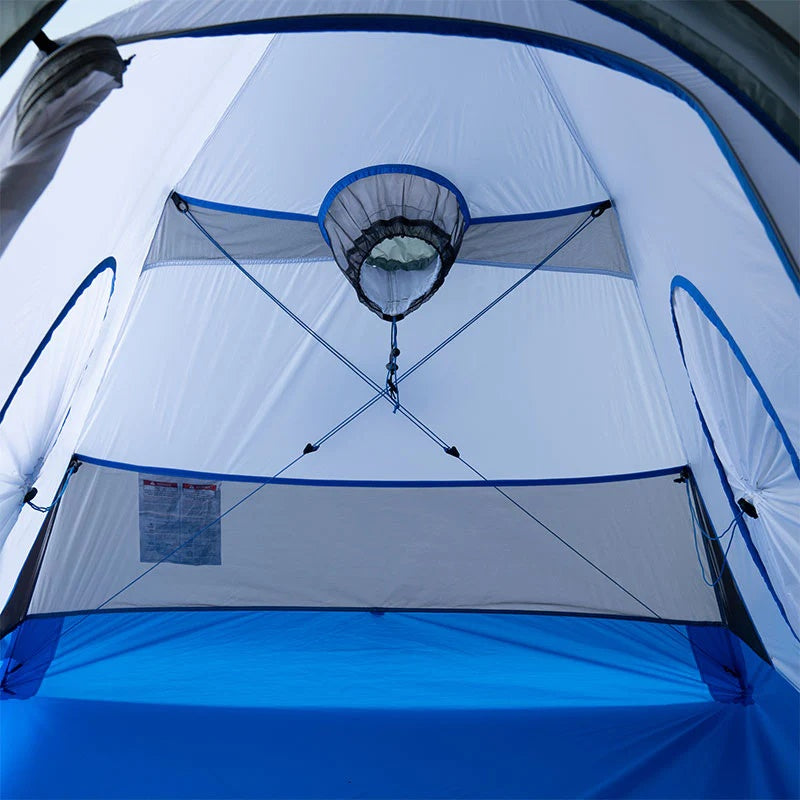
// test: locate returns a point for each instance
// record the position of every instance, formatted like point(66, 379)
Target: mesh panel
point(400, 546)
point(381, 210)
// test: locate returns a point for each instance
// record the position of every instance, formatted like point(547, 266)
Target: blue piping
point(680, 282)
point(396, 23)
point(561, 212)
point(248, 212)
point(386, 169)
point(630, 476)
point(108, 263)
point(290, 215)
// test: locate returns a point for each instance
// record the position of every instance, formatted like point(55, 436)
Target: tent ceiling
point(577, 28)
point(319, 107)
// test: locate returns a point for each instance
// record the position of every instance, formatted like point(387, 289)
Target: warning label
point(179, 521)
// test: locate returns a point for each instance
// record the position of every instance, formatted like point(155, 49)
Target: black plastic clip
point(747, 507)
point(598, 210)
point(310, 448)
point(45, 44)
point(683, 477)
point(30, 494)
point(180, 203)
point(452, 451)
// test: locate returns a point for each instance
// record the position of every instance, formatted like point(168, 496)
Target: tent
point(402, 399)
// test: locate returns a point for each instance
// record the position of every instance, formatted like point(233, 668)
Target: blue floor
point(303, 704)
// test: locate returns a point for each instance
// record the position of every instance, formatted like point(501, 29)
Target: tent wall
point(685, 221)
point(508, 152)
point(581, 392)
point(37, 407)
point(703, 228)
point(105, 200)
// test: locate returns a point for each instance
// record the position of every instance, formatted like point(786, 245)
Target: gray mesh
point(524, 243)
point(376, 209)
point(367, 546)
point(261, 239)
point(244, 236)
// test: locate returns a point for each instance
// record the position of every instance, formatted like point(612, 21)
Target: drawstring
point(391, 369)
point(697, 526)
point(28, 499)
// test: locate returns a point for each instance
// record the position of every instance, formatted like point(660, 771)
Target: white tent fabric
point(35, 411)
point(100, 205)
point(759, 459)
point(570, 27)
point(552, 338)
point(448, 95)
point(680, 231)
point(575, 374)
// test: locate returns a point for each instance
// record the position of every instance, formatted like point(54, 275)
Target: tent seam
point(228, 110)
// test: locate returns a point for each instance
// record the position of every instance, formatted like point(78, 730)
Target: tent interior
point(266, 567)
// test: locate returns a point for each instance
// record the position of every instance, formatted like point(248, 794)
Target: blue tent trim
point(107, 264)
point(562, 212)
point(378, 611)
point(267, 213)
point(680, 282)
point(234, 478)
point(386, 169)
point(248, 211)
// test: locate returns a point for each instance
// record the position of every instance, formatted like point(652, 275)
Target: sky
point(73, 15)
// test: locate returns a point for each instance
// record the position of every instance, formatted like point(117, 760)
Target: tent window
point(37, 407)
point(751, 445)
